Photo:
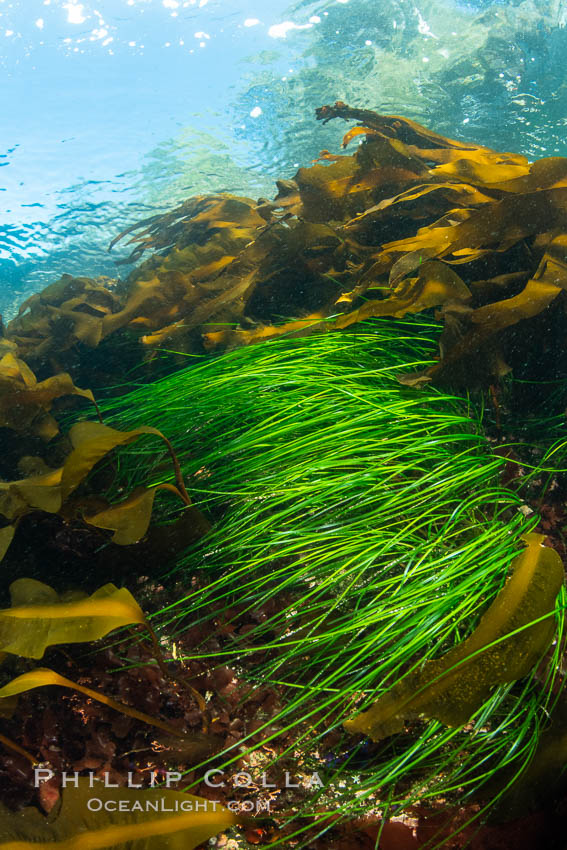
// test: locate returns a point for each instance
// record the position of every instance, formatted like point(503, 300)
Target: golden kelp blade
point(43, 676)
point(6, 535)
point(91, 442)
point(38, 491)
point(513, 218)
point(89, 819)
point(28, 629)
point(48, 491)
point(453, 687)
point(11, 745)
point(488, 321)
point(25, 403)
point(8, 706)
point(436, 284)
point(129, 519)
point(230, 338)
point(409, 131)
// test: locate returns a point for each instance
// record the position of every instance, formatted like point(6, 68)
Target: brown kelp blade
point(348, 235)
point(479, 328)
point(98, 817)
point(25, 402)
point(509, 640)
point(436, 284)
point(409, 132)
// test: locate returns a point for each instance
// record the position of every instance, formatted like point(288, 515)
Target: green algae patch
point(509, 640)
point(359, 528)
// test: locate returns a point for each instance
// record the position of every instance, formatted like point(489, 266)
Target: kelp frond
point(411, 221)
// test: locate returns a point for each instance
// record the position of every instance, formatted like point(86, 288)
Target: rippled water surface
point(112, 110)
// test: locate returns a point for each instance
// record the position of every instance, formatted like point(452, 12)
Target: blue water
point(112, 110)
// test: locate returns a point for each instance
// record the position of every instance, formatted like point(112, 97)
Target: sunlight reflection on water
point(117, 109)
